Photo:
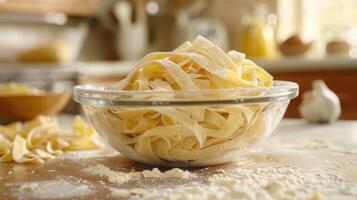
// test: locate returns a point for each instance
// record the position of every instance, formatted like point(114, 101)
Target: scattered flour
point(259, 182)
point(119, 193)
point(173, 173)
point(282, 182)
point(122, 177)
point(247, 182)
point(113, 176)
point(317, 143)
point(134, 192)
point(140, 191)
point(50, 189)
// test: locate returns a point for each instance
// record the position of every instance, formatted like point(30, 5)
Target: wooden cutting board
point(64, 178)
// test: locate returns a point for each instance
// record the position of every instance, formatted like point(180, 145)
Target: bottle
point(258, 38)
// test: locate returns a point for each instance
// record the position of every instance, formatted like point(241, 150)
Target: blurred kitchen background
point(60, 43)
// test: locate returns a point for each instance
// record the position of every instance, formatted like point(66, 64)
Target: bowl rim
point(99, 95)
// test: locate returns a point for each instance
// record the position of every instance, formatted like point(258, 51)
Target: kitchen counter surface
point(325, 151)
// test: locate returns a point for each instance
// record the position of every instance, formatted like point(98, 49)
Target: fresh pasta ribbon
point(41, 138)
point(186, 133)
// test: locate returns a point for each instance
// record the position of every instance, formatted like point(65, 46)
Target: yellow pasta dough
point(185, 133)
point(15, 89)
point(41, 138)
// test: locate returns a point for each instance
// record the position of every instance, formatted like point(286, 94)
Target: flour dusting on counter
point(239, 182)
point(122, 177)
point(113, 176)
point(119, 193)
point(318, 143)
point(264, 174)
point(282, 182)
point(58, 188)
point(172, 173)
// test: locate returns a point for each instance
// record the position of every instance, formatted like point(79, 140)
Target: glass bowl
point(185, 128)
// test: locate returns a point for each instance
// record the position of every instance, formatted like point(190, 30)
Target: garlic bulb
point(320, 104)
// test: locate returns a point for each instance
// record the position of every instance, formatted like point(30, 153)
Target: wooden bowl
point(294, 45)
point(290, 50)
point(14, 108)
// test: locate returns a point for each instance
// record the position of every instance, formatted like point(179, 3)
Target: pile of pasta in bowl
point(194, 106)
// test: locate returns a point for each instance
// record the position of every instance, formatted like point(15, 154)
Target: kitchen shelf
point(121, 68)
point(308, 64)
point(69, 7)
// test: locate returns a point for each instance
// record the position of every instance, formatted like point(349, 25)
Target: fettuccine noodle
point(41, 138)
point(186, 133)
